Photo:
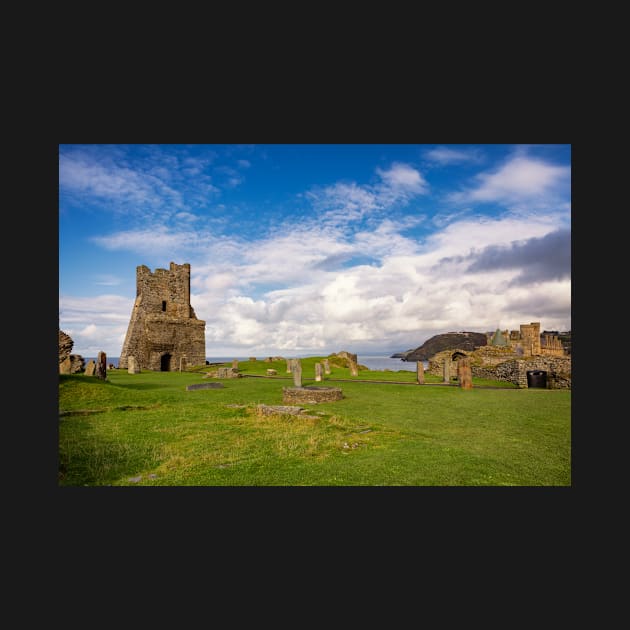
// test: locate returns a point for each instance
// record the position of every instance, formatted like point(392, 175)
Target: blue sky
point(307, 249)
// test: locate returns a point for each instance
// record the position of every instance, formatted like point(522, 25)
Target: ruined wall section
point(502, 364)
point(163, 327)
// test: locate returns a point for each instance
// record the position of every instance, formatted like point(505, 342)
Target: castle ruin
point(508, 356)
point(163, 328)
point(529, 341)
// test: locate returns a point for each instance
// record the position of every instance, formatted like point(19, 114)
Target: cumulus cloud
point(403, 297)
point(350, 277)
point(95, 324)
point(520, 179)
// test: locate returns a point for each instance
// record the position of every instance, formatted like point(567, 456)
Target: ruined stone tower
point(164, 328)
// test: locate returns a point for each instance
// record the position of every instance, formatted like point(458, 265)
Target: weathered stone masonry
point(164, 328)
point(500, 364)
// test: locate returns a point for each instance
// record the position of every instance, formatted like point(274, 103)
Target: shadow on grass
point(139, 386)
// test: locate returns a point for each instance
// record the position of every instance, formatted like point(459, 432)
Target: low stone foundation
point(311, 395)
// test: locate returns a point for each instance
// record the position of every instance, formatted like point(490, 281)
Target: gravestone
point(318, 371)
point(101, 366)
point(227, 372)
point(297, 373)
point(447, 371)
point(133, 366)
point(420, 372)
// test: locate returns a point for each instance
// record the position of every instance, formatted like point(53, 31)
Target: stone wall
point(163, 328)
point(311, 394)
point(515, 371)
point(503, 364)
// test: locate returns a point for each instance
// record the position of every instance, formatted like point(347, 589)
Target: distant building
point(499, 339)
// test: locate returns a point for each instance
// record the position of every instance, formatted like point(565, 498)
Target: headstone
point(227, 372)
point(133, 366)
point(101, 366)
point(420, 372)
point(464, 373)
point(182, 364)
point(354, 368)
point(297, 373)
point(318, 371)
point(326, 366)
point(447, 370)
point(90, 368)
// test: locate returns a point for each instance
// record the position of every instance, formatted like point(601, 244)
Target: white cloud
point(297, 290)
point(107, 280)
point(403, 177)
point(404, 299)
point(348, 202)
point(520, 179)
point(146, 241)
point(95, 324)
point(100, 175)
point(445, 155)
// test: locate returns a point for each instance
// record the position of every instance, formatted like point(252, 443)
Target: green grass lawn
point(146, 429)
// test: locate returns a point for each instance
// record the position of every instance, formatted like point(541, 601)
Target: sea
point(373, 361)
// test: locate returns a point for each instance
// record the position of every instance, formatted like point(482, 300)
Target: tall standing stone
point(133, 367)
point(447, 370)
point(101, 366)
point(420, 372)
point(354, 367)
point(182, 364)
point(318, 371)
point(326, 366)
point(297, 373)
point(464, 373)
point(235, 364)
point(90, 368)
point(289, 365)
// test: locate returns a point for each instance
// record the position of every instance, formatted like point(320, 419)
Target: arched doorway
point(457, 356)
point(165, 362)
